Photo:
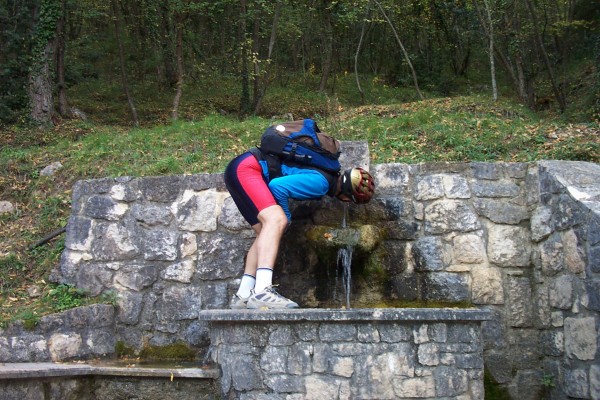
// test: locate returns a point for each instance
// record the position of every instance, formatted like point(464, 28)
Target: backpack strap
point(274, 165)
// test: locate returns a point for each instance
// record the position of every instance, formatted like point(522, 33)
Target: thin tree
point(362, 35)
point(488, 27)
point(179, 62)
point(261, 89)
point(61, 87)
point(245, 97)
point(406, 57)
point(560, 97)
point(117, 22)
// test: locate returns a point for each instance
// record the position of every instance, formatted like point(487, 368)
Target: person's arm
point(298, 184)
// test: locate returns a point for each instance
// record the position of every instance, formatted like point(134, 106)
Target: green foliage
point(64, 297)
point(11, 267)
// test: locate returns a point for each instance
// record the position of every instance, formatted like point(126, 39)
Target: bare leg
point(273, 224)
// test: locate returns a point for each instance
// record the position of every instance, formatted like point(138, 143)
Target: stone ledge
point(332, 315)
point(54, 370)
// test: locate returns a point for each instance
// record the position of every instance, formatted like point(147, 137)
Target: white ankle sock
point(264, 278)
point(247, 284)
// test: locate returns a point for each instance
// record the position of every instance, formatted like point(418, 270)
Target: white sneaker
point(238, 303)
point(269, 298)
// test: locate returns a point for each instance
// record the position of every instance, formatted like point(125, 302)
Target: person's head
point(356, 185)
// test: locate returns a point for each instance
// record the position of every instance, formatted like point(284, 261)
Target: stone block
point(332, 333)
point(274, 360)
point(160, 244)
point(299, 361)
point(573, 252)
point(129, 306)
point(428, 354)
point(495, 189)
point(103, 207)
point(391, 179)
point(136, 277)
point(445, 286)
point(179, 302)
point(152, 215)
point(483, 170)
point(594, 259)
point(63, 347)
point(444, 216)
point(93, 278)
point(561, 292)
point(595, 382)
point(486, 285)
point(500, 211)
point(115, 241)
point(285, 383)
point(430, 188)
point(552, 342)
point(581, 338)
point(393, 333)
point(508, 246)
point(197, 211)
point(450, 381)
point(577, 383)
point(161, 189)
point(320, 387)
point(540, 223)
point(79, 233)
point(428, 254)
point(520, 307)
point(420, 387)
point(230, 217)
point(468, 249)
point(221, 255)
point(180, 272)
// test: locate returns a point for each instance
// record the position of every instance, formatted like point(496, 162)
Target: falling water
point(345, 260)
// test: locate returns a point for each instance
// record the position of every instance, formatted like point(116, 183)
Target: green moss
point(176, 351)
point(122, 350)
point(493, 391)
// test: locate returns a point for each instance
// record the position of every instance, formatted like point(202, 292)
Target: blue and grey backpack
point(302, 143)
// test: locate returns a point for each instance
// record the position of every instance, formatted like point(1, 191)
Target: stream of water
point(344, 260)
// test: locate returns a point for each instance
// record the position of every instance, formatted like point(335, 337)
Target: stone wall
point(80, 333)
point(349, 354)
point(519, 239)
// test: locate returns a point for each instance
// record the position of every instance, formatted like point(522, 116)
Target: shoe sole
point(270, 306)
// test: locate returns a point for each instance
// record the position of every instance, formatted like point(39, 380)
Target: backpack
point(302, 143)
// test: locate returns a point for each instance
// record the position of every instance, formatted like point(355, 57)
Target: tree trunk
point(40, 78)
point(327, 41)
point(406, 57)
point(362, 35)
point(245, 97)
point(134, 115)
point(63, 104)
point(40, 89)
point(255, 59)
point(488, 26)
point(266, 79)
point(179, 58)
point(560, 97)
point(169, 75)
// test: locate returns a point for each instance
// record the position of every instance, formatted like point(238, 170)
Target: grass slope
point(463, 128)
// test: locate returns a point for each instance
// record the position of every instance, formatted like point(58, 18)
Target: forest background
point(151, 87)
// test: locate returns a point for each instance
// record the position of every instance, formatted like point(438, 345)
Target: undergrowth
point(398, 129)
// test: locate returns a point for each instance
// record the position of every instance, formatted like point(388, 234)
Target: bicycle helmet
point(358, 184)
